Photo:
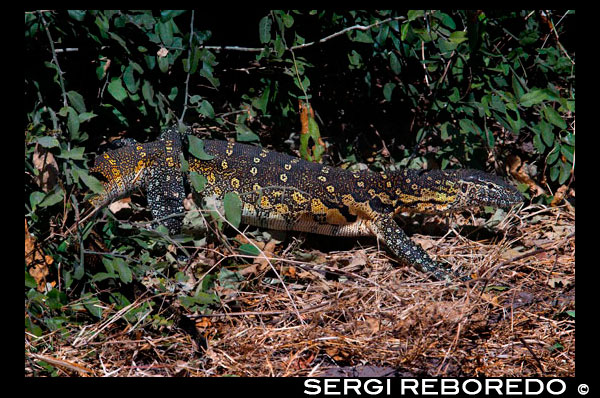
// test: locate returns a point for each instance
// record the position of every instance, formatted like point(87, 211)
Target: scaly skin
point(283, 192)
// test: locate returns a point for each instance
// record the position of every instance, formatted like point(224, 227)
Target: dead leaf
point(120, 205)
point(203, 323)
point(558, 282)
point(162, 52)
point(559, 195)
point(518, 170)
point(373, 324)
point(36, 261)
point(43, 161)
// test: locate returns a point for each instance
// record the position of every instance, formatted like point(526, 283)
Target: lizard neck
point(424, 191)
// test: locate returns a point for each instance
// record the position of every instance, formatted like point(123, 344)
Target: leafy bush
point(452, 88)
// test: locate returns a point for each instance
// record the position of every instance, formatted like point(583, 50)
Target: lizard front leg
point(408, 251)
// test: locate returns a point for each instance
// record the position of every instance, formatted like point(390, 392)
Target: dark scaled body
point(283, 192)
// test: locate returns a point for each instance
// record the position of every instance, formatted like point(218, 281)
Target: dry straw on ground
point(354, 312)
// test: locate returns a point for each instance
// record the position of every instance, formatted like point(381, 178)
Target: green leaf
point(76, 101)
point(244, 134)
point(198, 181)
point(517, 84)
point(233, 208)
point(553, 155)
point(206, 109)
point(568, 152)
point(395, 63)
point(533, 97)
point(93, 306)
point(387, 90)
point(414, 14)
point(538, 144)
point(547, 133)
point(74, 153)
point(123, 269)
point(165, 31)
point(167, 15)
point(129, 79)
point(47, 141)
point(91, 182)
point(264, 29)
point(363, 37)
point(77, 15)
point(458, 37)
point(404, 31)
point(468, 126)
point(565, 172)
point(72, 123)
point(35, 198)
point(115, 88)
point(52, 198)
point(163, 63)
point(554, 117)
point(249, 249)
point(196, 148)
point(148, 93)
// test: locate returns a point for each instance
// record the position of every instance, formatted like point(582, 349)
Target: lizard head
point(476, 188)
point(120, 171)
point(439, 191)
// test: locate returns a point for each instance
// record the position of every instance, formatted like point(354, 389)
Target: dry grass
point(355, 310)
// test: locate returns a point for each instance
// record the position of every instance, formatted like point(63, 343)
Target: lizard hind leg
point(407, 251)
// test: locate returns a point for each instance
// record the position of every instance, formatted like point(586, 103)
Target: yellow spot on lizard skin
point(317, 207)
point(334, 216)
point(287, 166)
point(253, 171)
point(360, 184)
point(210, 178)
point(282, 208)
point(388, 184)
point(263, 153)
point(264, 202)
point(299, 198)
point(325, 170)
point(224, 164)
point(235, 183)
point(283, 177)
point(322, 178)
point(256, 187)
point(256, 160)
point(330, 188)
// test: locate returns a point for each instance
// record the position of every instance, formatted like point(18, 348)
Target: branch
point(348, 29)
point(187, 78)
point(301, 46)
point(62, 83)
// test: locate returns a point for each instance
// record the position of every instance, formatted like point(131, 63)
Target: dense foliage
point(419, 88)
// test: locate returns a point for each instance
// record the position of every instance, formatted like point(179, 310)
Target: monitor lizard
point(283, 192)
